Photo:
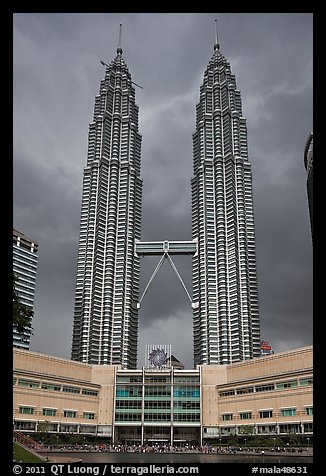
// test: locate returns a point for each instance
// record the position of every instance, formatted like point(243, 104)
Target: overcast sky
point(56, 75)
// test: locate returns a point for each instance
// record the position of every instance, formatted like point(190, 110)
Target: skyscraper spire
point(119, 49)
point(216, 45)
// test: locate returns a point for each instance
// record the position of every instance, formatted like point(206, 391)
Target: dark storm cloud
point(56, 76)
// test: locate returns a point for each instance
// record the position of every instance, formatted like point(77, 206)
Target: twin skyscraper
point(226, 326)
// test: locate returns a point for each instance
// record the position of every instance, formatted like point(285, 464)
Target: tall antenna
point(119, 50)
point(216, 45)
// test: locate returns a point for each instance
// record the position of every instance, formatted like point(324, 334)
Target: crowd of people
point(167, 448)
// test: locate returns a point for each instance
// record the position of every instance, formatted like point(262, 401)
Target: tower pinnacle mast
point(119, 49)
point(216, 45)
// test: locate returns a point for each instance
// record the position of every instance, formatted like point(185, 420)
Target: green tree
point(42, 431)
point(22, 314)
point(246, 430)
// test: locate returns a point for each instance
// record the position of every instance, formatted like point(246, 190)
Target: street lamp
point(308, 441)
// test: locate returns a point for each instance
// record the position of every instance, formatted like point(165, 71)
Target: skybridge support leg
point(159, 265)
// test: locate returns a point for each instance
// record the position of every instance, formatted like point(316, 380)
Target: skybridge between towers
point(165, 249)
point(152, 248)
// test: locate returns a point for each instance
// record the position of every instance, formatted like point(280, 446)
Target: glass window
point(227, 393)
point(129, 404)
point(69, 413)
point(157, 416)
point(186, 379)
point(71, 389)
point(129, 379)
point(245, 415)
point(28, 383)
point(93, 393)
point(158, 379)
point(265, 388)
point(242, 391)
point(158, 391)
point(308, 427)
point(89, 415)
point(309, 410)
point(49, 411)
point(180, 405)
point(128, 391)
point(127, 416)
point(289, 384)
point(286, 412)
point(265, 413)
point(186, 417)
point(227, 416)
point(26, 410)
point(50, 386)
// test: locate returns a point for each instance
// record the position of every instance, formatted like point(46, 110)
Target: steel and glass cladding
point(107, 285)
point(162, 405)
point(225, 296)
point(24, 267)
point(226, 315)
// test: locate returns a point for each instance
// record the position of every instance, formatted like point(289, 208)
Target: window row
point(288, 428)
point(179, 405)
point(27, 410)
point(268, 387)
point(154, 417)
point(158, 391)
point(22, 382)
point(248, 415)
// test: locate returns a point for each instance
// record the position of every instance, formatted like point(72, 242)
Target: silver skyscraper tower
point(225, 295)
point(107, 285)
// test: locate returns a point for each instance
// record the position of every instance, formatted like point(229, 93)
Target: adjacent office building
point(24, 267)
point(308, 162)
point(105, 324)
point(226, 314)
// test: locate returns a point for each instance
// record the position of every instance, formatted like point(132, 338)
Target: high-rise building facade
point(308, 162)
point(24, 268)
point(225, 293)
point(225, 297)
point(107, 285)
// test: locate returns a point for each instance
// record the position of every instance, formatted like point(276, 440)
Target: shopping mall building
point(268, 395)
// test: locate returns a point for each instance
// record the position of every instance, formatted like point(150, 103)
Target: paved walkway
point(64, 459)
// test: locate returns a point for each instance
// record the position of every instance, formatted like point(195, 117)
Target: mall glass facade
point(157, 406)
